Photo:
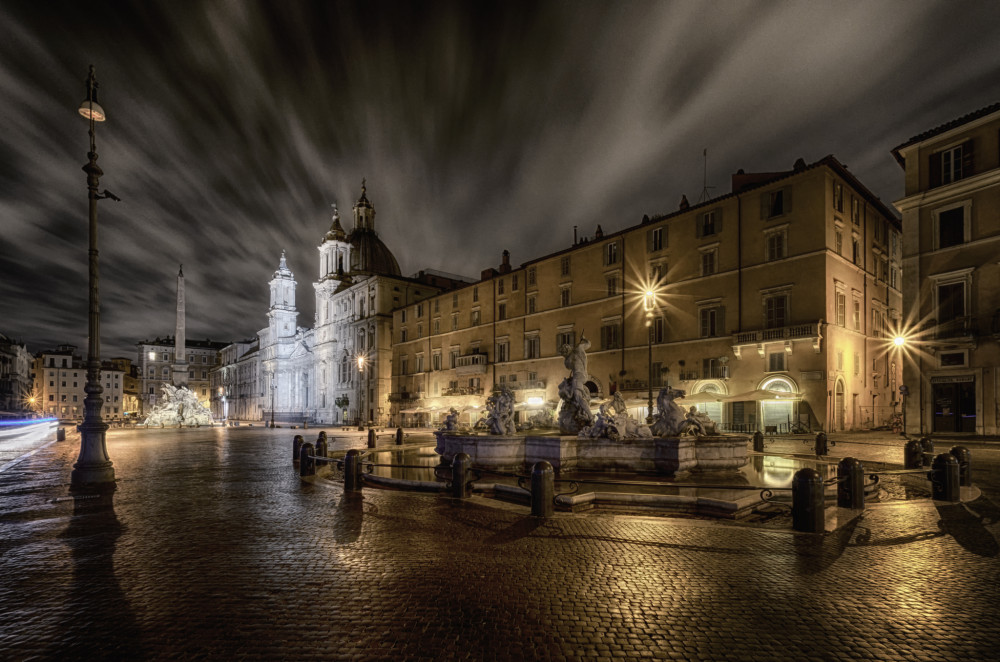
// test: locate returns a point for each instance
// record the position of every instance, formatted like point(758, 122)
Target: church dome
point(369, 254)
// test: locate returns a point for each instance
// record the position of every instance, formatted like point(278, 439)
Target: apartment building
point(951, 239)
point(789, 284)
point(60, 378)
point(156, 360)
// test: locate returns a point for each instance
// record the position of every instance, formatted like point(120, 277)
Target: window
point(711, 322)
point(708, 262)
point(658, 330)
point(841, 300)
point(838, 197)
point(474, 318)
point(611, 335)
point(857, 364)
point(453, 360)
point(657, 370)
point(611, 253)
point(656, 240)
point(564, 297)
point(775, 246)
point(951, 165)
point(436, 361)
point(532, 347)
point(502, 311)
point(856, 317)
point(855, 211)
point(708, 224)
point(420, 363)
point(840, 359)
point(454, 300)
point(475, 294)
point(513, 283)
point(883, 269)
point(564, 266)
point(776, 362)
point(612, 285)
point(658, 273)
point(565, 338)
point(839, 242)
point(500, 286)
point(531, 305)
point(402, 316)
point(420, 310)
point(894, 277)
point(531, 276)
point(775, 311)
point(951, 226)
point(855, 250)
point(776, 203)
point(454, 322)
point(951, 302)
point(503, 351)
point(437, 326)
point(437, 305)
point(402, 335)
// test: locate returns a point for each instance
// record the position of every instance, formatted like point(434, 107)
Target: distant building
point(60, 378)
point(951, 282)
point(789, 283)
point(340, 370)
point(234, 384)
point(130, 385)
point(15, 378)
point(156, 364)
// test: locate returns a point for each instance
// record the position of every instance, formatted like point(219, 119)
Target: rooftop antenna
point(705, 195)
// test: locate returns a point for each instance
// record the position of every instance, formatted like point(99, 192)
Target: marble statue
point(500, 411)
point(671, 419)
point(574, 414)
point(179, 406)
point(614, 423)
point(700, 422)
point(451, 421)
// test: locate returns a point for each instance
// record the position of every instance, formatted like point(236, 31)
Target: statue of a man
point(575, 412)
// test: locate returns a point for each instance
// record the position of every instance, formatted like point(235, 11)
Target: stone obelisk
point(180, 367)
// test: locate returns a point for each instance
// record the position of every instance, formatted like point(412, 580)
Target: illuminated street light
point(649, 304)
point(93, 469)
point(899, 341)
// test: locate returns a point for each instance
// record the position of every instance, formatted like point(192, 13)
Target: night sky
point(232, 127)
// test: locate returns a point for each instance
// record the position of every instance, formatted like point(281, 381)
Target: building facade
point(156, 363)
point(789, 283)
point(339, 371)
point(951, 239)
point(16, 381)
point(60, 378)
point(234, 387)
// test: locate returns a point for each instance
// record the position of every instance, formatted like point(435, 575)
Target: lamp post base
point(93, 470)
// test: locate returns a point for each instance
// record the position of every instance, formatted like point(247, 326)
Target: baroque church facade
point(338, 371)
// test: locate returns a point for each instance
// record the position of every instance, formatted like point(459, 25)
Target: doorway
point(954, 406)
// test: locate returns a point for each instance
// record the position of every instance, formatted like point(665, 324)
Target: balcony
point(464, 390)
point(714, 372)
point(404, 396)
point(960, 328)
point(471, 364)
point(782, 334)
point(527, 385)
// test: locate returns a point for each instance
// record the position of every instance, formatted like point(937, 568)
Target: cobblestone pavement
point(214, 549)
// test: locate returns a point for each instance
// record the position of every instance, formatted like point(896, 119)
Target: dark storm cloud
point(480, 126)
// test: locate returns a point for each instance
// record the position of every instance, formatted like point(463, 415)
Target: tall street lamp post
point(93, 469)
point(361, 390)
point(274, 388)
point(648, 304)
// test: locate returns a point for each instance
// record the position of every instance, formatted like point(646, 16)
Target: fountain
point(179, 406)
point(677, 441)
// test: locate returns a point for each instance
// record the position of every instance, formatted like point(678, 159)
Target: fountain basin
point(668, 455)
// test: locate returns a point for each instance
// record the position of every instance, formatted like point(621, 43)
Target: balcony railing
point(959, 327)
point(527, 384)
point(780, 333)
point(403, 396)
point(464, 390)
point(714, 372)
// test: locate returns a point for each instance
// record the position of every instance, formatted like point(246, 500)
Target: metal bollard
point(543, 489)
point(460, 475)
point(321, 435)
point(371, 438)
point(913, 454)
point(808, 509)
point(399, 436)
point(822, 447)
point(61, 434)
point(964, 458)
point(928, 449)
point(758, 442)
point(296, 447)
point(307, 465)
point(321, 449)
point(352, 471)
point(851, 488)
point(944, 478)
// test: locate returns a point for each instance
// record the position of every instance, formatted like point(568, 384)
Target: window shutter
point(666, 236)
point(649, 241)
point(721, 321)
point(788, 199)
point(934, 171)
point(765, 205)
point(968, 162)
